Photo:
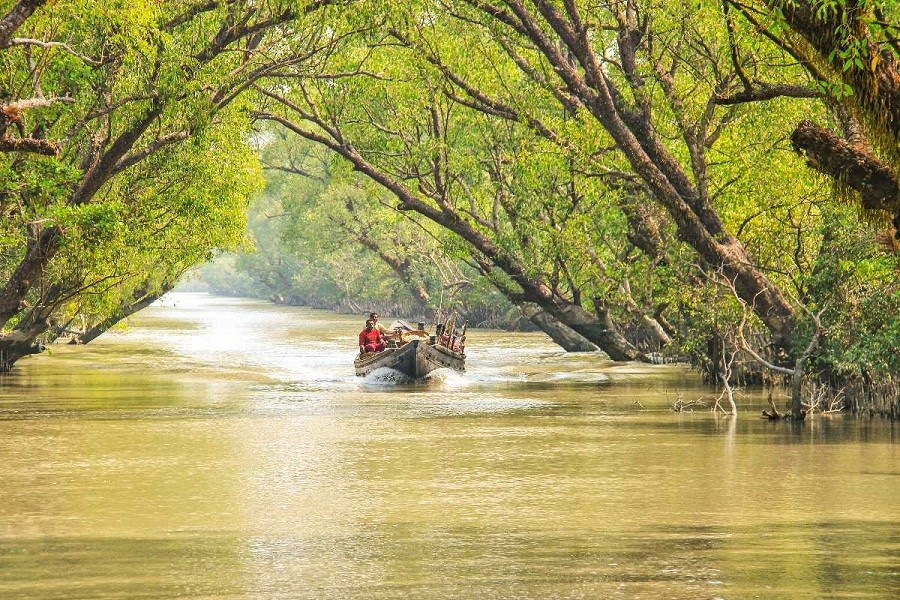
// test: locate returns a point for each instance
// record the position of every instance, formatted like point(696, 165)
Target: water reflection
point(223, 448)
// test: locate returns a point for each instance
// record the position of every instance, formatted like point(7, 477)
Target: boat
point(416, 354)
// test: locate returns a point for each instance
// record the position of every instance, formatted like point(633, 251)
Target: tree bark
point(655, 328)
point(608, 331)
point(850, 165)
point(12, 351)
point(877, 83)
point(31, 145)
point(40, 248)
point(19, 343)
point(564, 336)
point(15, 17)
point(838, 36)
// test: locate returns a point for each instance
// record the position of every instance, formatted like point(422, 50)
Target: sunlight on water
point(224, 448)
point(464, 404)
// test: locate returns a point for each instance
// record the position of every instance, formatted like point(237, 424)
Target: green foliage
point(855, 284)
point(461, 113)
point(156, 162)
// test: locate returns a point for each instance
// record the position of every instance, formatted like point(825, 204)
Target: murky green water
point(223, 449)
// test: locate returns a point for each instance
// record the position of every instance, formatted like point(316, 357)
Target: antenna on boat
point(449, 327)
point(440, 310)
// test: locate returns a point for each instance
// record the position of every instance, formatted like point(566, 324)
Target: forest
point(713, 181)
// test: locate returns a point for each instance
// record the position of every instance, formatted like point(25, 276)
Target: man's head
point(370, 323)
point(373, 317)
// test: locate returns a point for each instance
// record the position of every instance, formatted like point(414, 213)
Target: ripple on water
point(475, 403)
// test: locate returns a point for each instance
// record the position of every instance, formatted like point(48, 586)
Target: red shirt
point(370, 336)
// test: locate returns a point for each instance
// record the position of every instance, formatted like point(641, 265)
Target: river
point(223, 448)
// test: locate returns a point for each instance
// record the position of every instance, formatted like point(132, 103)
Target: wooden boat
point(415, 359)
point(416, 354)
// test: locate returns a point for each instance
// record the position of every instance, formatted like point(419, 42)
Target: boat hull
point(415, 360)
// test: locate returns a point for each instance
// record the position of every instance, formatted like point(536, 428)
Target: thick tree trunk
point(608, 330)
point(11, 352)
point(850, 165)
point(699, 226)
point(632, 129)
point(20, 343)
point(839, 35)
point(565, 337)
point(599, 330)
point(41, 247)
point(832, 32)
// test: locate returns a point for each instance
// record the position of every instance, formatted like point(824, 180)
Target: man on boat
point(371, 339)
point(381, 328)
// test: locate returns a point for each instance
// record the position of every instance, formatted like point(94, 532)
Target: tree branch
point(15, 17)
point(849, 164)
point(767, 91)
point(136, 157)
point(43, 44)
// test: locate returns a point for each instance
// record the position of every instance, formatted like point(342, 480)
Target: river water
point(222, 448)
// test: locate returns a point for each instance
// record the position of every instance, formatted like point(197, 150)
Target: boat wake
point(385, 376)
point(448, 378)
point(445, 378)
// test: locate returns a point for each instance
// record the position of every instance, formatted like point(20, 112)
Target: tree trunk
point(600, 331)
point(850, 165)
point(607, 330)
point(656, 329)
point(841, 38)
point(582, 71)
point(11, 352)
point(19, 343)
point(125, 310)
point(565, 337)
point(40, 248)
point(832, 32)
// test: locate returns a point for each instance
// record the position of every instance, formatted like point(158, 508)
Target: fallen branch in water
point(680, 404)
point(774, 415)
